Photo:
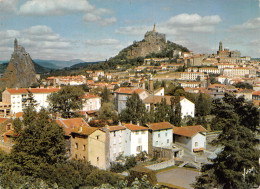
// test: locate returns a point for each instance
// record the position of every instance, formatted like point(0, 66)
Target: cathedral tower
point(220, 46)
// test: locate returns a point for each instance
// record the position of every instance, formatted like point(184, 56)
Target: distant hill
point(57, 64)
point(83, 65)
point(38, 68)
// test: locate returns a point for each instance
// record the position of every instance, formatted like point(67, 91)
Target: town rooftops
point(160, 126)
point(33, 90)
point(133, 127)
point(116, 128)
point(188, 131)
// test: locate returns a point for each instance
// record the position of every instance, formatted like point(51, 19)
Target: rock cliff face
point(20, 71)
point(153, 42)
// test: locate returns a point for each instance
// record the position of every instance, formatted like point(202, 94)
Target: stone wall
point(161, 165)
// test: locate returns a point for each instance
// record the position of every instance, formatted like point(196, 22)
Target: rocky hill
point(152, 44)
point(20, 71)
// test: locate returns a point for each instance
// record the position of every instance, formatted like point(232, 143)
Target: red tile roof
point(3, 120)
point(84, 130)
point(116, 128)
point(127, 90)
point(70, 124)
point(33, 90)
point(133, 127)
point(188, 131)
point(160, 126)
point(158, 99)
point(19, 114)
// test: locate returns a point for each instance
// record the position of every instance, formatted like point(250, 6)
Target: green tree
point(243, 85)
point(175, 111)
point(66, 101)
point(17, 125)
point(108, 112)
point(135, 110)
point(238, 152)
point(39, 146)
point(162, 111)
point(105, 94)
point(203, 105)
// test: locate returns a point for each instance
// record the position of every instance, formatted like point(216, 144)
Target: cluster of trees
point(238, 151)
point(136, 112)
point(39, 158)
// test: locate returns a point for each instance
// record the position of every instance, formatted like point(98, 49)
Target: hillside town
point(160, 111)
point(129, 94)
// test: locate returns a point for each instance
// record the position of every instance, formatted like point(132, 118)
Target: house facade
point(161, 134)
point(91, 102)
point(90, 144)
point(136, 139)
point(117, 141)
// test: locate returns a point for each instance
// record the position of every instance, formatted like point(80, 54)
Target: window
point(139, 148)
point(97, 159)
point(143, 132)
point(157, 143)
point(97, 137)
point(84, 147)
point(137, 133)
point(196, 144)
point(76, 156)
point(166, 134)
point(159, 135)
point(168, 141)
point(84, 158)
point(76, 145)
point(114, 133)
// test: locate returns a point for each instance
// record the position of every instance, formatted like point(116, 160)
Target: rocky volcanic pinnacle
point(20, 71)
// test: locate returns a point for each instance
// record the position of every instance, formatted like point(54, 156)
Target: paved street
point(178, 177)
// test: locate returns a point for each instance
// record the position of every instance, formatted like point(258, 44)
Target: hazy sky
point(98, 29)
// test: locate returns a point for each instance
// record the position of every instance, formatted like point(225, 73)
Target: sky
point(95, 30)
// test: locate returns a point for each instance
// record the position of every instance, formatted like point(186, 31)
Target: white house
point(161, 134)
point(187, 107)
point(17, 97)
point(136, 139)
point(117, 141)
point(159, 92)
point(91, 102)
point(191, 137)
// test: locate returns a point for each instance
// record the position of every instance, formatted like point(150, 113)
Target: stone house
point(191, 137)
point(91, 144)
point(123, 93)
